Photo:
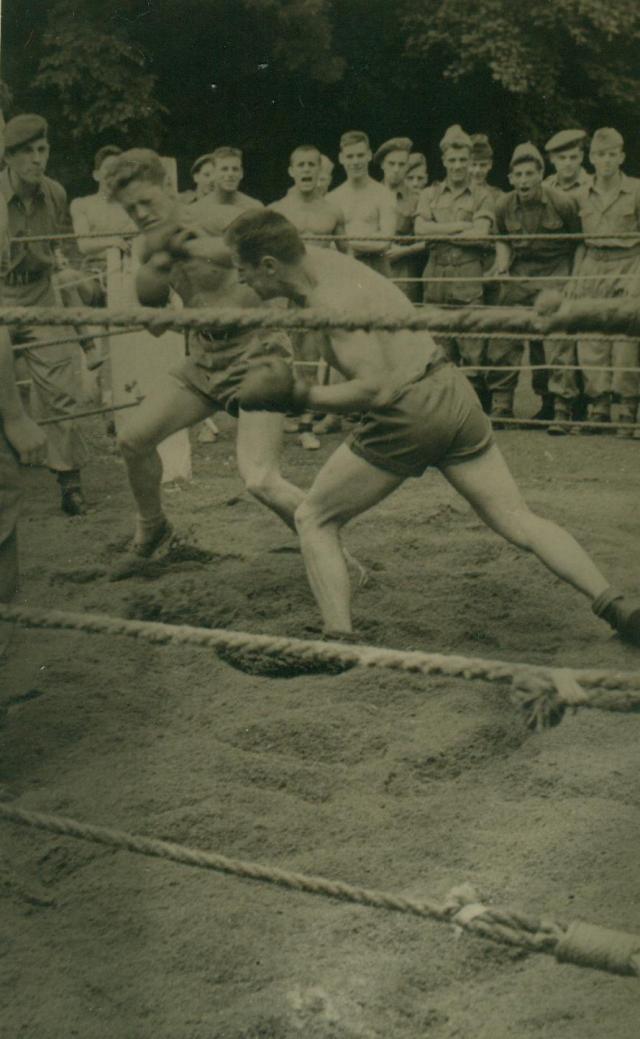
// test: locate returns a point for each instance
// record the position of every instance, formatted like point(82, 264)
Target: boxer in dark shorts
point(183, 257)
point(418, 412)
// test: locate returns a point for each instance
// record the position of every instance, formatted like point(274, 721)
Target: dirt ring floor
point(399, 782)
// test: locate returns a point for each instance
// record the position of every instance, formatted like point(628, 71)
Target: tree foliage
point(96, 80)
point(187, 75)
point(559, 61)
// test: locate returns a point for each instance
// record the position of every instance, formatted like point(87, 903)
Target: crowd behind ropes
point(561, 226)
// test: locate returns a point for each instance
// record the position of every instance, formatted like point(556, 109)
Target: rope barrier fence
point(579, 943)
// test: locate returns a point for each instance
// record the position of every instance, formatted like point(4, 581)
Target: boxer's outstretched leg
point(346, 486)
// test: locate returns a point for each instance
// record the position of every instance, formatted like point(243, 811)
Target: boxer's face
point(147, 204)
point(29, 162)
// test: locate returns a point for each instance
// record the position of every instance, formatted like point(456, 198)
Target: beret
point(200, 162)
point(606, 137)
point(526, 152)
point(564, 140)
point(416, 159)
point(23, 129)
point(480, 146)
point(455, 137)
point(396, 144)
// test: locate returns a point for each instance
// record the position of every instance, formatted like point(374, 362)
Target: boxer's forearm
point(347, 397)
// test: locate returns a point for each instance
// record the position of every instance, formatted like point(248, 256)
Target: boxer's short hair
point(263, 232)
point(135, 164)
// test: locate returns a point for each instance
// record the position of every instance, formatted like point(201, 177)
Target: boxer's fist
point(269, 385)
point(168, 238)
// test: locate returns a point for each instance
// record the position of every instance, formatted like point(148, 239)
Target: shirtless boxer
point(192, 264)
point(419, 411)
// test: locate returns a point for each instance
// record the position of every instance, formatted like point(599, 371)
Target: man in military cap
point(203, 175)
point(21, 441)
point(393, 159)
point(609, 266)
point(367, 206)
point(532, 208)
point(458, 210)
point(565, 151)
point(481, 164)
point(37, 205)
point(417, 173)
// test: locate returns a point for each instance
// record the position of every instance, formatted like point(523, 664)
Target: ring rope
point(606, 316)
point(537, 688)
point(582, 944)
point(580, 236)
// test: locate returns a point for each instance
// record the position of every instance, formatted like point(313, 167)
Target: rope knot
point(545, 696)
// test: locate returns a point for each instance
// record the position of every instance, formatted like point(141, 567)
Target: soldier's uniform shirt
point(610, 267)
point(551, 213)
point(441, 204)
point(581, 180)
point(28, 282)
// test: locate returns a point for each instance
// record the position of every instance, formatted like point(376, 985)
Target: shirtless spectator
point(98, 214)
point(405, 258)
point(220, 206)
point(325, 176)
point(368, 207)
point(311, 215)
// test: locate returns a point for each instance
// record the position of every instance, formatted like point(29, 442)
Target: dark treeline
point(185, 76)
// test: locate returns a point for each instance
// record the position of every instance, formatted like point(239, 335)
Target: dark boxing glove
point(167, 238)
point(270, 385)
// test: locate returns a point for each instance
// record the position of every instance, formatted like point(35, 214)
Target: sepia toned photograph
point(319, 519)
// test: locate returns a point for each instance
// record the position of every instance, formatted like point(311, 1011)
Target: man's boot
point(72, 499)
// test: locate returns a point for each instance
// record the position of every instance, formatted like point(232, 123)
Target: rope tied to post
point(585, 945)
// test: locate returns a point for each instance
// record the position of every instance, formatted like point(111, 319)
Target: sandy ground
point(399, 782)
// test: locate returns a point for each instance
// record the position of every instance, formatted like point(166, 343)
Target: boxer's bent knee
point(134, 443)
